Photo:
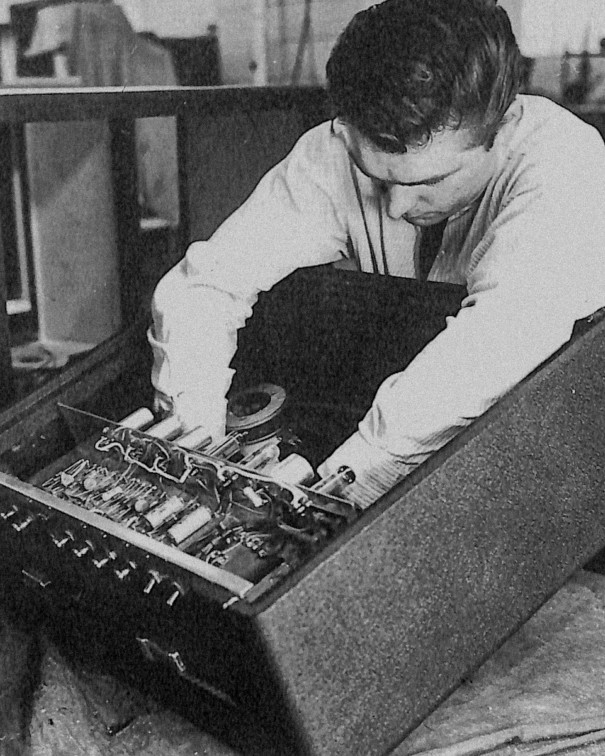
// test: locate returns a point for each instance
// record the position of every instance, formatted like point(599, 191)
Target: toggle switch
point(61, 540)
point(176, 594)
point(155, 579)
point(80, 551)
point(123, 572)
point(23, 524)
point(103, 559)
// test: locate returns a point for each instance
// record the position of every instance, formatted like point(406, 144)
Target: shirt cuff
point(376, 470)
point(209, 410)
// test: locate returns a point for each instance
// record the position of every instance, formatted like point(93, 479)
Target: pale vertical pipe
point(282, 43)
point(8, 53)
point(259, 42)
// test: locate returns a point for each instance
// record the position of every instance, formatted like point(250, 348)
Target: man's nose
point(401, 200)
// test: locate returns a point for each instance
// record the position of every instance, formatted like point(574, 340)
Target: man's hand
point(162, 404)
point(192, 413)
point(376, 470)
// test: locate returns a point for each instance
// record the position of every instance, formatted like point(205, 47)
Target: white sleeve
point(289, 221)
point(539, 268)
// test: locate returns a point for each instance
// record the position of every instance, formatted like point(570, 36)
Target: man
point(428, 131)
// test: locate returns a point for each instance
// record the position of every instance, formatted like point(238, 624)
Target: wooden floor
point(541, 693)
point(51, 707)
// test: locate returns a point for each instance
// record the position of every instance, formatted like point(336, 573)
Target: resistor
point(164, 511)
point(189, 524)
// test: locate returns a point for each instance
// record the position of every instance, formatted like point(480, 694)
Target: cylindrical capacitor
point(262, 458)
point(138, 419)
point(294, 469)
point(335, 483)
point(189, 524)
point(225, 447)
point(198, 438)
point(143, 502)
point(166, 429)
point(164, 511)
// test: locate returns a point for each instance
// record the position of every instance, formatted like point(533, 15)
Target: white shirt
point(531, 252)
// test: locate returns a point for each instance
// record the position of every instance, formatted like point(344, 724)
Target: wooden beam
point(128, 216)
point(6, 218)
point(80, 104)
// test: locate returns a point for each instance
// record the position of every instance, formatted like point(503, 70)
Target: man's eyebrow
point(430, 180)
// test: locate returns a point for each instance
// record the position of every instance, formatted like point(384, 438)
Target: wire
point(363, 216)
point(385, 266)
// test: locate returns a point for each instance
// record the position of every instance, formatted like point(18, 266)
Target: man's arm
point(289, 221)
point(538, 269)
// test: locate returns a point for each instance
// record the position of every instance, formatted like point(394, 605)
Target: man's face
point(426, 184)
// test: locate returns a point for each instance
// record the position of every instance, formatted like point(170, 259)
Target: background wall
point(289, 41)
point(4, 9)
point(551, 27)
point(286, 36)
point(172, 18)
point(245, 26)
point(543, 28)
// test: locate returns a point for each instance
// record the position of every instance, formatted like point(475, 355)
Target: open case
point(318, 628)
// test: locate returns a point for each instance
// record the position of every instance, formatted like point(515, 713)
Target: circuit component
point(232, 515)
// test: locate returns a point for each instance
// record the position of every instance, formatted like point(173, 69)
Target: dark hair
point(404, 70)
